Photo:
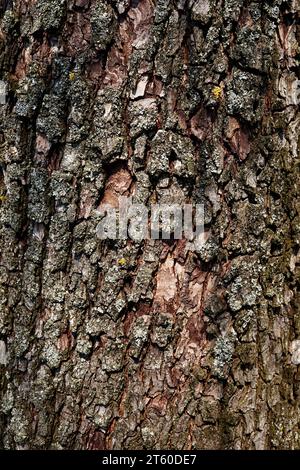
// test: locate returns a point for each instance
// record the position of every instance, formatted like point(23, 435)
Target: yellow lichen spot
point(122, 262)
point(72, 76)
point(2, 198)
point(217, 91)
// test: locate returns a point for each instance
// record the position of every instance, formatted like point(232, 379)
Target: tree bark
point(168, 101)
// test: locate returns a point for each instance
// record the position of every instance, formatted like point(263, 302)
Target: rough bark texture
point(173, 100)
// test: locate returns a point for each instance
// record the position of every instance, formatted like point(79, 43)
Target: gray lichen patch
point(143, 116)
point(38, 198)
point(162, 331)
point(112, 360)
point(3, 92)
point(139, 335)
point(29, 93)
point(223, 352)
point(201, 10)
point(3, 353)
point(171, 153)
point(103, 24)
point(50, 121)
point(295, 350)
point(84, 345)
point(241, 96)
point(48, 14)
point(108, 133)
point(244, 292)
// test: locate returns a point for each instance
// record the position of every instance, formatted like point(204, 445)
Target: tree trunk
point(117, 344)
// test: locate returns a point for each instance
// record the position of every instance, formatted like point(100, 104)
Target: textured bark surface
point(167, 101)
